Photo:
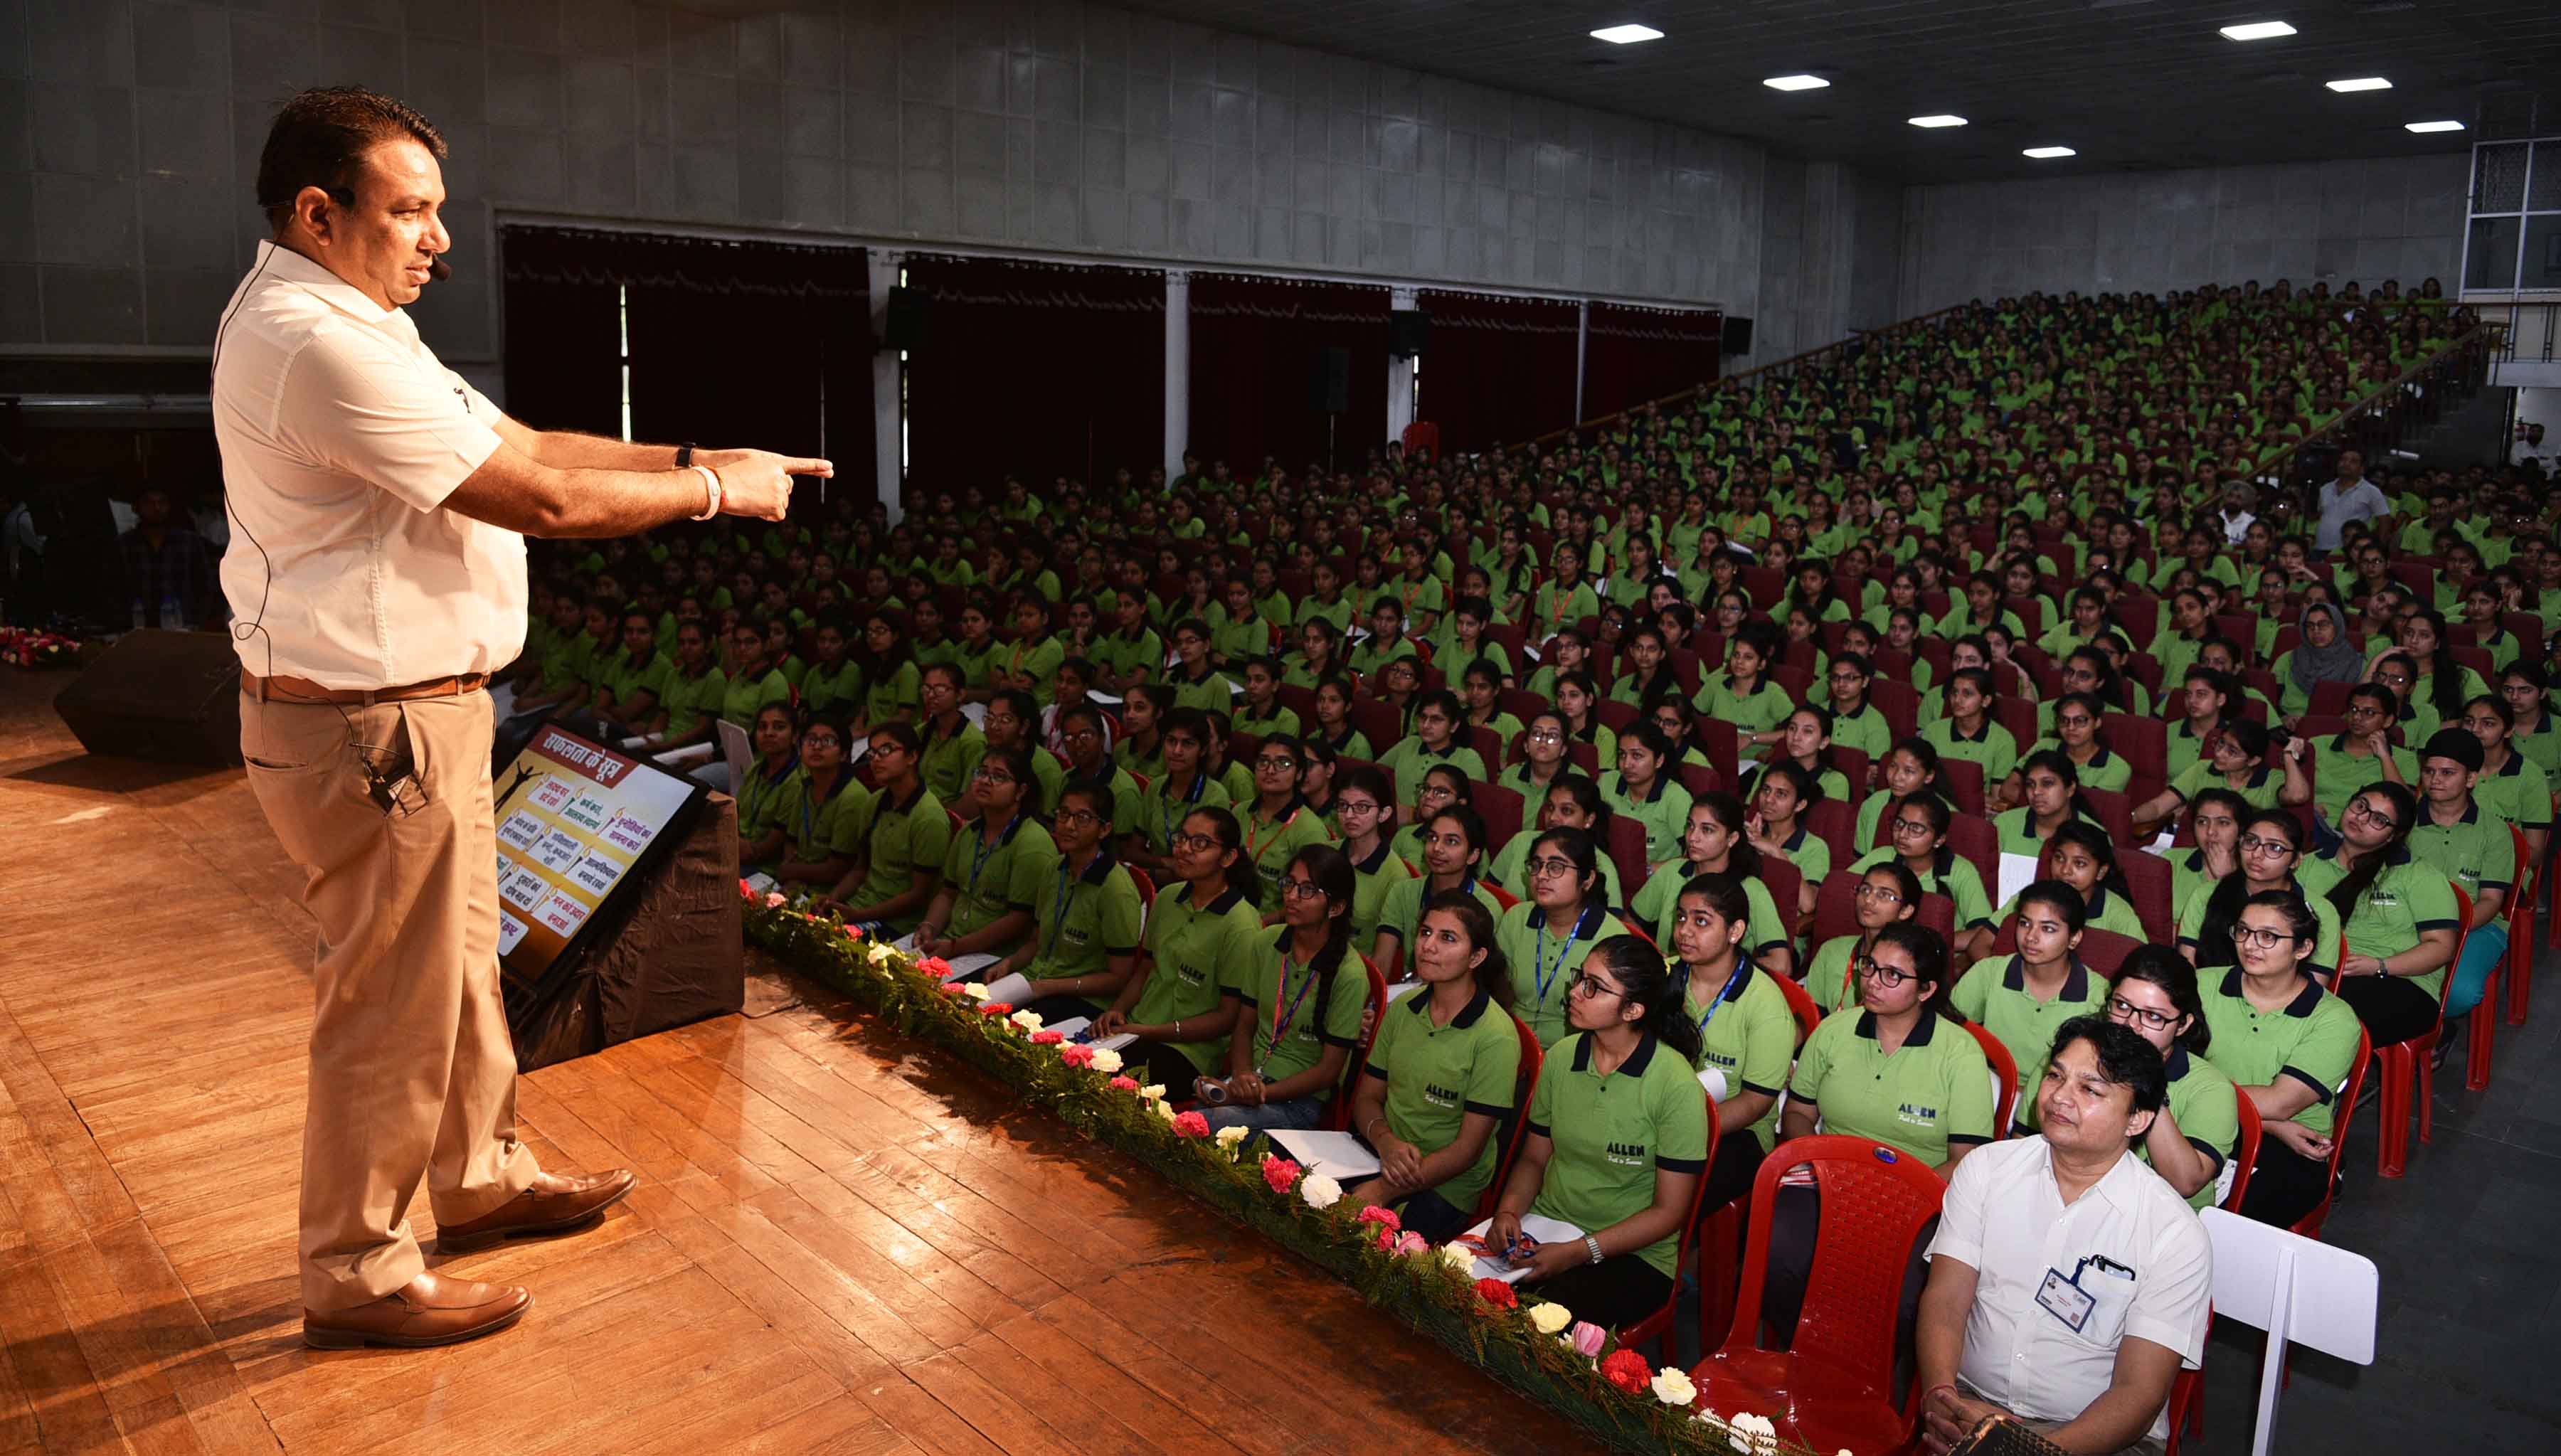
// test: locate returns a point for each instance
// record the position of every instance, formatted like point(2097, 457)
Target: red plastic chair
point(1626, 846)
point(2521, 933)
point(2411, 1065)
point(1503, 811)
point(1658, 1324)
point(1834, 1387)
point(1524, 1080)
point(2245, 1150)
point(1720, 1239)
point(2004, 1077)
point(2187, 1390)
point(1340, 1115)
point(2309, 1225)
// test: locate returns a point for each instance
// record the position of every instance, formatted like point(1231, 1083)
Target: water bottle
point(172, 616)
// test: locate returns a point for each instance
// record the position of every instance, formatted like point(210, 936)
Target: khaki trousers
point(386, 809)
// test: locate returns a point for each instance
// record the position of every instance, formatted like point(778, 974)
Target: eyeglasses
point(1911, 829)
point(1194, 842)
point(2261, 939)
point(2384, 822)
point(990, 773)
point(1278, 763)
point(1543, 868)
point(1888, 977)
point(1886, 893)
point(1584, 983)
point(820, 740)
point(2122, 1010)
point(1302, 889)
point(1076, 816)
point(1547, 736)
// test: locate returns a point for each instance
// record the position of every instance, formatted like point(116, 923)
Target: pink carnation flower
point(773, 900)
point(1076, 1056)
point(1408, 1243)
point(746, 891)
point(1587, 1337)
point(852, 932)
point(1281, 1173)
point(995, 1008)
point(1191, 1125)
point(1119, 1084)
point(1048, 1038)
point(954, 989)
point(1377, 1213)
point(934, 966)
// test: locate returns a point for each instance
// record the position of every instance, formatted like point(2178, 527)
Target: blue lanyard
point(1715, 1005)
point(1281, 1020)
point(1542, 975)
point(1066, 901)
point(1200, 784)
point(978, 857)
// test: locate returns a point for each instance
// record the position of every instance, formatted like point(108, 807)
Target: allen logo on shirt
point(1440, 1096)
point(1914, 1113)
point(1630, 1155)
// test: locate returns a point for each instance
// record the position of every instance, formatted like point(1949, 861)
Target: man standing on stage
point(376, 579)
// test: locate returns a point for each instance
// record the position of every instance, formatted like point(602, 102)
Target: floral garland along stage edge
point(1539, 1348)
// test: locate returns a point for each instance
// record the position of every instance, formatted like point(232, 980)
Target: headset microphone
point(439, 270)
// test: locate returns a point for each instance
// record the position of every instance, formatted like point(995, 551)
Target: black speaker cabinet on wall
point(1407, 330)
point(1330, 381)
point(903, 320)
point(173, 697)
point(1738, 335)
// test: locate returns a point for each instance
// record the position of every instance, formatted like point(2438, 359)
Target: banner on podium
point(575, 820)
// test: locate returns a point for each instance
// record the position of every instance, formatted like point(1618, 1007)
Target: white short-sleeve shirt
point(2362, 501)
point(2004, 1215)
point(341, 436)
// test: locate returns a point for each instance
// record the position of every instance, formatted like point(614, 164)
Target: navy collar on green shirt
point(1637, 1060)
point(2472, 815)
point(1961, 736)
point(1202, 677)
point(1589, 923)
point(1377, 857)
point(1421, 1003)
point(1652, 798)
point(1095, 872)
point(2301, 1006)
point(2176, 1063)
point(1734, 985)
point(1921, 1029)
point(2075, 976)
point(902, 806)
point(1227, 901)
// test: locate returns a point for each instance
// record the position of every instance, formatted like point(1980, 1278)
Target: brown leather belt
point(302, 690)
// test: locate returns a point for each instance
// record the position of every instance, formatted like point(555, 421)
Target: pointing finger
point(810, 468)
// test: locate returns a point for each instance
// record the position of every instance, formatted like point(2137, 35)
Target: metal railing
point(2385, 416)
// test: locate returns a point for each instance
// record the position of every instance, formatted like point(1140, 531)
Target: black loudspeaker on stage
point(1330, 381)
point(1408, 331)
point(903, 320)
point(173, 697)
point(1738, 335)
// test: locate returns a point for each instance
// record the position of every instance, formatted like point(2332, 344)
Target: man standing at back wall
point(376, 579)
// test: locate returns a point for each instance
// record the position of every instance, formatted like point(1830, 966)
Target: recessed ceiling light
point(2434, 126)
point(2042, 153)
point(2361, 83)
point(1626, 35)
point(1796, 83)
point(1942, 120)
point(2258, 30)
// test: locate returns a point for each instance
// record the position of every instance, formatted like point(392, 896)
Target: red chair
point(1834, 1387)
point(1377, 722)
point(1975, 839)
point(1787, 886)
point(1835, 823)
point(2150, 879)
point(1854, 766)
point(1658, 1324)
point(1716, 739)
point(2115, 811)
point(1524, 1080)
point(2520, 933)
point(1523, 704)
point(1699, 778)
point(1626, 848)
point(1502, 809)
point(1962, 778)
point(2187, 1390)
point(2144, 744)
point(2103, 951)
point(1339, 1117)
point(1720, 1243)
point(2245, 1151)
point(1895, 699)
point(2004, 1077)
point(2411, 1064)
point(2309, 1225)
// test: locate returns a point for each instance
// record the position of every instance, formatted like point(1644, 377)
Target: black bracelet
point(685, 455)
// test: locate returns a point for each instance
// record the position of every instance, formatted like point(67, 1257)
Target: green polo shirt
point(1199, 955)
point(1161, 812)
point(692, 703)
point(1400, 910)
point(1510, 865)
point(2207, 1111)
point(1238, 640)
point(623, 677)
point(1932, 1092)
point(759, 798)
point(834, 689)
point(1284, 722)
point(1867, 731)
point(1827, 978)
point(2519, 793)
point(1437, 1074)
point(1997, 997)
point(990, 882)
point(1209, 692)
point(2186, 872)
point(2017, 831)
point(1125, 794)
point(972, 661)
point(1543, 962)
point(904, 838)
point(2476, 852)
point(1120, 653)
point(1081, 921)
point(2338, 775)
point(1271, 843)
point(1748, 1033)
point(565, 658)
point(1310, 1016)
point(2192, 911)
point(1373, 879)
point(1408, 760)
point(816, 829)
point(1037, 660)
point(1613, 1133)
point(1366, 658)
point(2312, 1039)
point(2258, 790)
point(2407, 898)
point(1951, 875)
point(1663, 809)
point(2105, 770)
point(1991, 746)
point(743, 697)
point(1658, 904)
point(898, 692)
point(1759, 711)
point(949, 758)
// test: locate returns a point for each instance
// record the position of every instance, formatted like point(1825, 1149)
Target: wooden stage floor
point(839, 1245)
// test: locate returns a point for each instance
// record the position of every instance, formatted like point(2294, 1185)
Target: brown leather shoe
point(428, 1310)
point(554, 1202)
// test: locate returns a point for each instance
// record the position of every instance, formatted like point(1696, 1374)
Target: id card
point(2065, 1299)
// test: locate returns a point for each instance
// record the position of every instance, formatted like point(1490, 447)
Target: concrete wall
point(130, 132)
point(1829, 238)
point(2366, 220)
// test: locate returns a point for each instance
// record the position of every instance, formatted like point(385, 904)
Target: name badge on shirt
point(2065, 1299)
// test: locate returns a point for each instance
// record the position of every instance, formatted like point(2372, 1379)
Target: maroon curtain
point(1497, 370)
point(732, 343)
point(1632, 355)
point(563, 349)
point(1257, 346)
point(1035, 371)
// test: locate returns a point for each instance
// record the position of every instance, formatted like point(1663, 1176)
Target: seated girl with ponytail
point(2154, 993)
point(1712, 843)
point(1182, 1002)
point(2024, 998)
point(1560, 921)
point(1300, 993)
point(1440, 1075)
point(2050, 784)
point(2271, 848)
point(2398, 910)
point(1621, 1166)
point(1452, 844)
point(1747, 1030)
point(1086, 913)
point(2082, 857)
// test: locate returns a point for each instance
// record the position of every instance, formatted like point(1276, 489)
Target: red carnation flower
point(1498, 1294)
point(1627, 1370)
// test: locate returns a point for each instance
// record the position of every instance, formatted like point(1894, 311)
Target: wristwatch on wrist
point(685, 455)
point(1592, 1242)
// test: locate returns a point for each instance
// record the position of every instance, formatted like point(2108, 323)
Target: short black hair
point(321, 136)
point(2124, 1057)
